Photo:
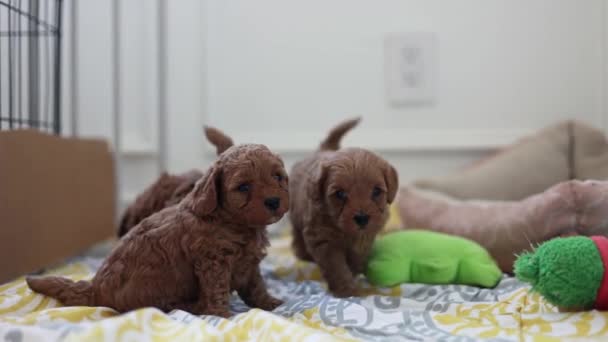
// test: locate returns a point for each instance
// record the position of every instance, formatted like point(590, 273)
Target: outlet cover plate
point(410, 61)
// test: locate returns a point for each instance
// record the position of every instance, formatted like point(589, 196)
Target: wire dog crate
point(30, 64)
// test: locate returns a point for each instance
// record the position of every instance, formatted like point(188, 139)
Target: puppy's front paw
point(269, 303)
point(218, 312)
point(345, 291)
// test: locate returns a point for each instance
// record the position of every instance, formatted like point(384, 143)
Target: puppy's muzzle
point(361, 220)
point(272, 203)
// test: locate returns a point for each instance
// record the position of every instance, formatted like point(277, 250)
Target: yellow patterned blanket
point(405, 313)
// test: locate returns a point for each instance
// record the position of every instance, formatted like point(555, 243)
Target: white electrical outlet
point(410, 68)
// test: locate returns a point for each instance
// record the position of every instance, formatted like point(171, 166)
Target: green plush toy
point(420, 256)
point(568, 272)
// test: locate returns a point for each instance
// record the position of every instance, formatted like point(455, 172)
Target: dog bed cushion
point(569, 150)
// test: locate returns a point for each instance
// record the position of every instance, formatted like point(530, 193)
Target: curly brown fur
point(339, 202)
point(190, 256)
point(168, 189)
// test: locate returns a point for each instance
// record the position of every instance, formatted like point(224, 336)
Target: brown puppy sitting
point(190, 256)
point(168, 189)
point(339, 202)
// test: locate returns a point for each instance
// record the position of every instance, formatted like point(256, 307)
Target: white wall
point(292, 69)
point(282, 72)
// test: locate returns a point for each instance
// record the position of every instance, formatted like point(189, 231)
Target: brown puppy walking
point(190, 256)
point(339, 202)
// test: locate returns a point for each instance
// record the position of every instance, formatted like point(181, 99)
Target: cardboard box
point(57, 198)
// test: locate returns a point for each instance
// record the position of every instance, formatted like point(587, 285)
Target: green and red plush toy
point(569, 272)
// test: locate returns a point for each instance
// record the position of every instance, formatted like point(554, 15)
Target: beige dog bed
point(521, 196)
point(569, 150)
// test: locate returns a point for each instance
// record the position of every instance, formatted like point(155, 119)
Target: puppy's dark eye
point(279, 177)
point(245, 187)
point(376, 192)
point(341, 194)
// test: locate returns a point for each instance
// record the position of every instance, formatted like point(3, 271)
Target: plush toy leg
point(478, 272)
point(389, 272)
point(434, 271)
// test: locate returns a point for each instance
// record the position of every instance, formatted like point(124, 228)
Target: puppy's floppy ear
point(319, 178)
point(217, 138)
point(204, 197)
point(391, 179)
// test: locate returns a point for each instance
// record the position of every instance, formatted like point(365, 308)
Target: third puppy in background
point(169, 189)
point(339, 202)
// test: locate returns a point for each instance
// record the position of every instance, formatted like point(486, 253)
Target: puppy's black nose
point(272, 203)
point(361, 219)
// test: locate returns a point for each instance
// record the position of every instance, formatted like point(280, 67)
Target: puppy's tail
point(332, 141)
point(66, 291)
point(218, 139)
